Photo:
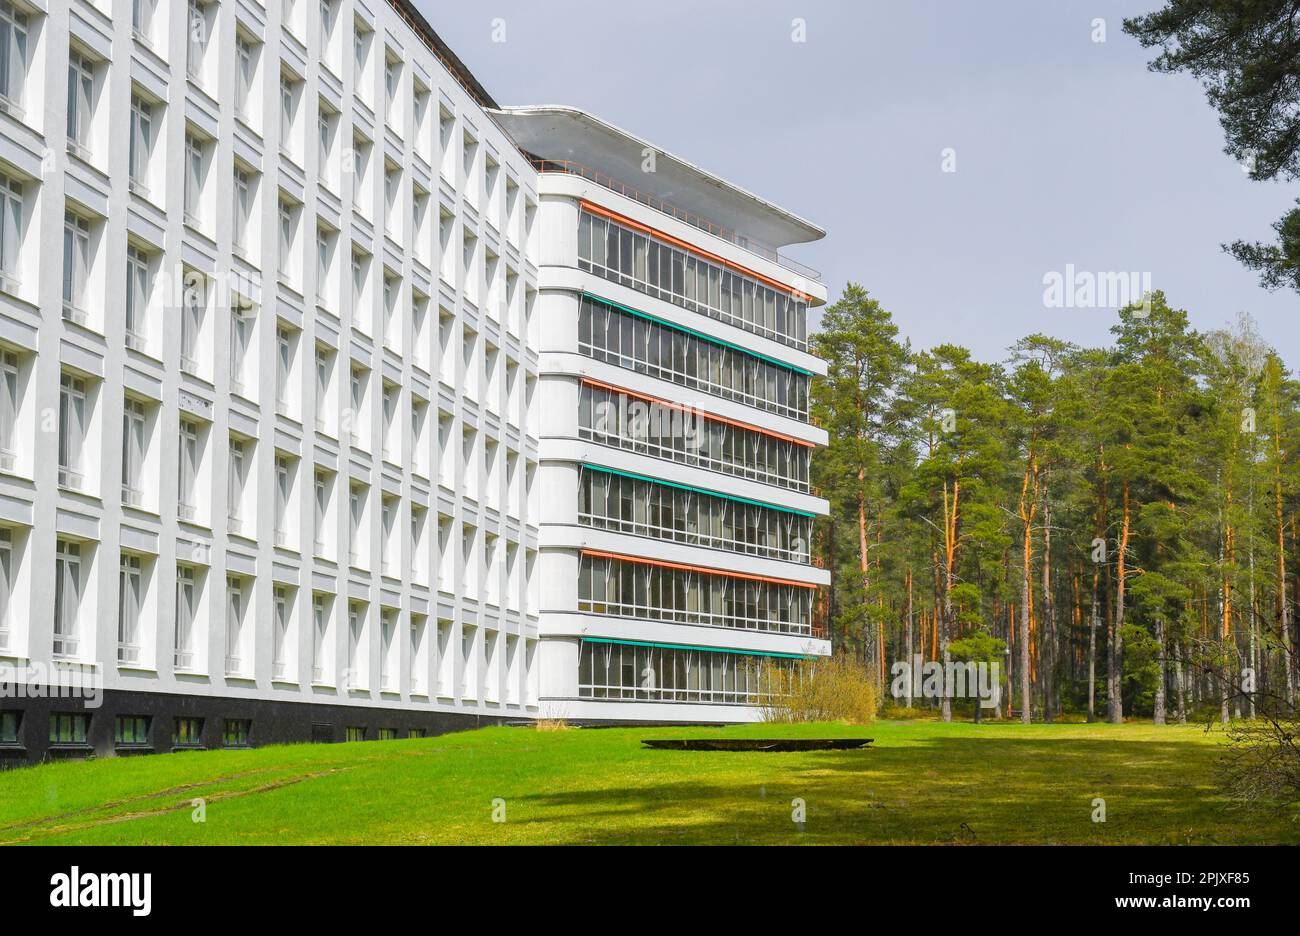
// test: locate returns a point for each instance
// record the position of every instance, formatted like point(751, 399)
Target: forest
point(1118, 526)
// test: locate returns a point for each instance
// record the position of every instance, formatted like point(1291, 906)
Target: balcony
point(751, 244)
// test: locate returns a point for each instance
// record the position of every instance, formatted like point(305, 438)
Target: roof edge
point(816, 232)
point(411, 13)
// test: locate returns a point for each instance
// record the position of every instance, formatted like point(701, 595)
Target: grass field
point(922, 782)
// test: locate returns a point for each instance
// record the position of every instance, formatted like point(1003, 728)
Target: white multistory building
point(298, 329)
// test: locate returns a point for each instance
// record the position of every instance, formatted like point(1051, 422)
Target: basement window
point(131, 730)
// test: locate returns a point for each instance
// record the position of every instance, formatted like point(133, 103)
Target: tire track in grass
point(47, 826)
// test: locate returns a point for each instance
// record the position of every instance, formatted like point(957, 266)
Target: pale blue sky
point(1068, 151)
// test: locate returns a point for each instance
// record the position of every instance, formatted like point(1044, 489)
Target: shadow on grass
point(938, 790)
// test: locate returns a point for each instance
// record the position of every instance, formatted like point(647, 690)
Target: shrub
point(838, 688)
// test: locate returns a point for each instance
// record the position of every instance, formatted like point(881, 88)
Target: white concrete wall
point(38, 510)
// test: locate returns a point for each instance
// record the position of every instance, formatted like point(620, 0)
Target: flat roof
point(562, 133)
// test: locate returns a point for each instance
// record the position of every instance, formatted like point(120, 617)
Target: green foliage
point(1245, 54)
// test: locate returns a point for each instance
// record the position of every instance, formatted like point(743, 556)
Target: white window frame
point(235, 612)
point(283, 492)
point(134, 426)
point(74, 404)
point(187, 470)
point(237, 468)
point(187, 597)
point(129, 608)
point(194, 172)
point(243, 209)
point(137, 296)
point(68, 585)
point(243, 75)
point(80, 104)
point(12, 205)
point(6, 583)
point(14, 58)
point(241, 340)
point(280, 631)
point(8, 409)
point(140, 145)
point(76, 266)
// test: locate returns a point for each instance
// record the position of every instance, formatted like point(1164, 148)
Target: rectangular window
point(288, 111)
point(280, 635)
point(72, 430)
point(387, 631)
point(188, 732)
point(8, 409)
point(9, 725)
point(356, 675)
point(283, 488)
point(283, 366)
point(197, 35)
point(322, 510)
point(67, 597)
point(130, 599)
point(81, 88)
point(324, 378)
point(287, 238)
point(142, 12)
point(140, 145)
point(191, 322)
point(188, 469)
point(131, 730)
point(6, 584)
point(193, 179)
point(137, 296)
point(243, 75)
point(238, 469)
point(320, 638)
point(133, 452)
point(356, 733)
point(241, 337)
point(235, 600)
point(11, 229)
point(76, 266)
point(13, 55)
point(356, 510)
point(236, 732)
point(68, 728)
point(187, 606)
point(243, 211)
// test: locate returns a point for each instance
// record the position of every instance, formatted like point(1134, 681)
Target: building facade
point(300, 339)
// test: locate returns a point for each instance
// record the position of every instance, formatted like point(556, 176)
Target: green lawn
point(921, 782)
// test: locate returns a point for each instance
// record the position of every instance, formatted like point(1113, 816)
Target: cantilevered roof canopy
point(555, 132)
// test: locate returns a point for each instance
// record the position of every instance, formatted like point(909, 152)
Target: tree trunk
point(910, 650)
point(1115, 701)
point(1160, 682)
point(1048, 644)
point(1092, 649)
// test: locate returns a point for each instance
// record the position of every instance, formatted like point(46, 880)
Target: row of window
point(72, 729)
point(648, 346)
point(619, 419)
point(149, 295)
point(138, 609)
point(651, 592)
point(633, 672)
point(640, 261)
point(198, 23)
point(79, 399)
point(643, 507)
